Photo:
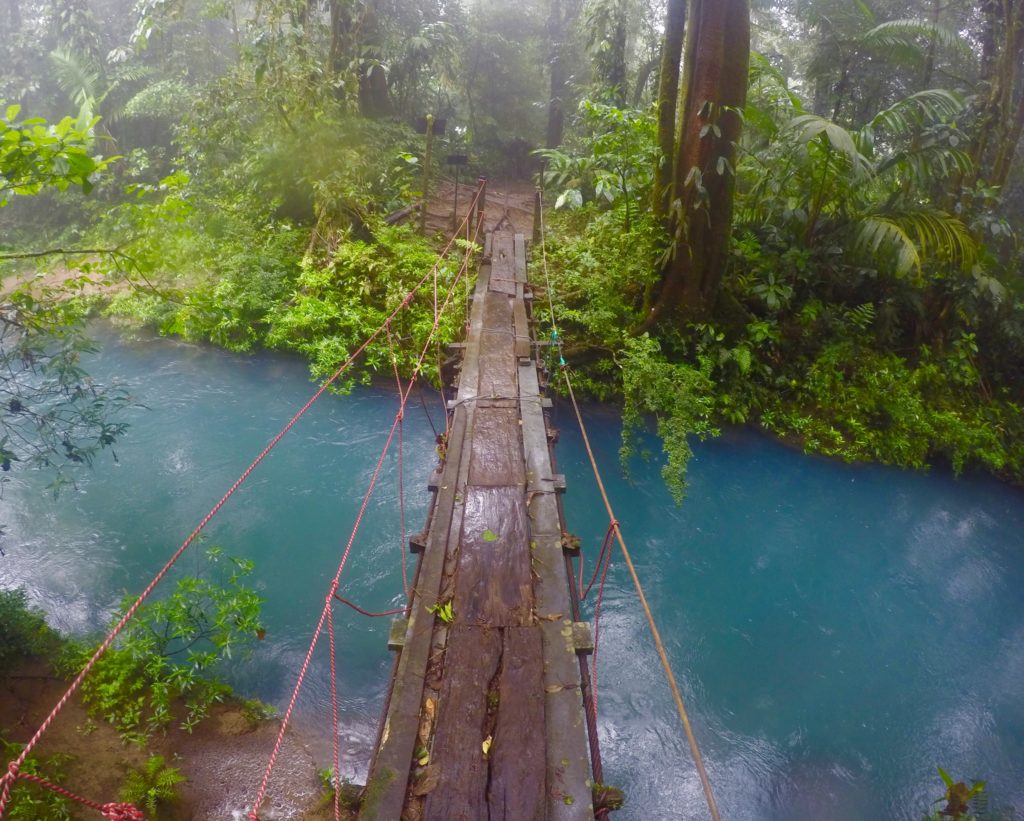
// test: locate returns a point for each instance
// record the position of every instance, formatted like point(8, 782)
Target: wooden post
point(426, 173)
point(480, 203)
point(536, 215)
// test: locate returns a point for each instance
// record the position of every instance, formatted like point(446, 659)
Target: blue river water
point(838, 631)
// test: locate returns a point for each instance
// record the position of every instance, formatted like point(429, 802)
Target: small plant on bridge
point(172, 651)
point(444, 612)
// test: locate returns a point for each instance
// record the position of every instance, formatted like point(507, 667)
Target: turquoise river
point(839, 631)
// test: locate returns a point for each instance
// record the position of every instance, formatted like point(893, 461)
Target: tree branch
point(55, 251)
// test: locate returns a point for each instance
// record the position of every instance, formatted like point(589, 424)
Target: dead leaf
point(428, 780)
point(427, 720)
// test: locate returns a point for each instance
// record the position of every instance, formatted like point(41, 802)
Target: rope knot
point(12, 771)
point(122, 812)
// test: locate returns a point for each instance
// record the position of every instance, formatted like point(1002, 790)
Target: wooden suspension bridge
point(488, 692)
point(489, 712)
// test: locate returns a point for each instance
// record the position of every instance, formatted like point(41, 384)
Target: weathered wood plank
point(535, 436)
point(389, 774)
point(497, 367)
point(522, 330)
point(461, 792)
point(493, 585)
point(469, 379)
point(503, 261)
point(497, 453)
point(497, 316)
point(520, 257)
point(518, 768)
point(568, 757)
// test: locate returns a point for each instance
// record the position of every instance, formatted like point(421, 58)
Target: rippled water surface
point(839, 631)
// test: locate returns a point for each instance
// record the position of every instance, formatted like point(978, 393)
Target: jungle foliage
point(168, 663)
point(828, 250)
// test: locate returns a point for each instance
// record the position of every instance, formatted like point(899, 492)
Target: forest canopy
point(798, 215)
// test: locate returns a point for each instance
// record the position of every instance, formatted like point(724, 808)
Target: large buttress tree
point(711, 97)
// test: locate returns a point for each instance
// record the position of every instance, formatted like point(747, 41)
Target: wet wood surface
point(485, 717)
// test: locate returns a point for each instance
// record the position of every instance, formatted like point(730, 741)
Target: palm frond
point(909, 32)
point(810, 126)
point(906, 115)
point(924, 164)
point(769, 96)
point(77, 75)
point(915, 234)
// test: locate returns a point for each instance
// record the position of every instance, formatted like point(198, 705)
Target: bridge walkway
point(485, 715)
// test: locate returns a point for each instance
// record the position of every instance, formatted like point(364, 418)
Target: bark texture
point(714, 87)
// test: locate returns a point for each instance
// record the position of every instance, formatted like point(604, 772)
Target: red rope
point(605, 550)
point(8, 778)
point(597, 622)
point(112, 811)
point(318, 631)
point(401, 480)
point(336, 746)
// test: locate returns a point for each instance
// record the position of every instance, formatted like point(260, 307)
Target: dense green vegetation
point(820, 239)
point(164, 669)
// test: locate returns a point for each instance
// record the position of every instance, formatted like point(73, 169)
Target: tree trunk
point(714, 92)
point(643, 77)
point(1008, 145)
point(559, 75)
point(616, 78)
point(13, 16)
point(996, 131)
point(668, 95)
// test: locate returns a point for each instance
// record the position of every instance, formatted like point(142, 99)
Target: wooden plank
point(568, 756)
point(389, 771)
point(457, 752)
point(497, 452)
point(568, 760)
point(494, 585)
point(503, 286)
point(535, 438)
point(503, 262)
point(520, 257)
point(469, 378)
point(498, 370)
point(497, 313)
point(518, 768)
point(522, 330)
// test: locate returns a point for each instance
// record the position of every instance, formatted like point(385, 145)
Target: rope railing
point(698, 759)
point(13, 772)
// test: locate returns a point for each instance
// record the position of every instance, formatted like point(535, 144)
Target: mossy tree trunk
point(668, 95)
point(712, 95)
point(1001, 119)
